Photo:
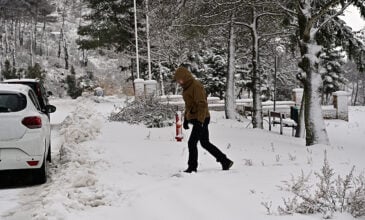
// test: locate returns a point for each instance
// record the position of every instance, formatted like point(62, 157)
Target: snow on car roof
point(14, 88)
point(21, 80)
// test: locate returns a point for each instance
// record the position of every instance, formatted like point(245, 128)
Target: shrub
point(148, 111)
point(329, 195)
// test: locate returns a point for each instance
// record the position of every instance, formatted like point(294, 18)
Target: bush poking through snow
point(148, 111)
point(329, 195)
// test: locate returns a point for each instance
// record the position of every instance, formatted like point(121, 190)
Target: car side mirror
point(50, 108)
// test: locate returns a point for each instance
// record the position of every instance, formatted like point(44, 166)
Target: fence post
point(139, 88)
point(150, 87)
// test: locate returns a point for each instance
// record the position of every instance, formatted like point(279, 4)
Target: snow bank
point(72, 183)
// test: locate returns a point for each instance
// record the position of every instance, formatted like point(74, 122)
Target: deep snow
point(112, 170)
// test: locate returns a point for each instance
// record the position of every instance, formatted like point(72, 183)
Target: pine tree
point(210, 67)
point(8, 72)
point(332, 72)
point(110, 25)
point(72, 88)
point(35, 72)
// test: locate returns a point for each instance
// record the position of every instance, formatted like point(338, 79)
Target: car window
point(34, 99)
point(12, 102)
point(38, 89)
point(30, 84)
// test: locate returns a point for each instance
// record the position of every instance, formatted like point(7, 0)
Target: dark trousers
point(201, 133)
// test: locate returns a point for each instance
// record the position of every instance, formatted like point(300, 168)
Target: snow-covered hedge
point(148, 111)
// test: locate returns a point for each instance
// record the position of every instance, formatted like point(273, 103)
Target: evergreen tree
point(210, 67)
point(8, 72)
point(35, 72)
point(332, 72)
point(72, 88)
point(110, 25)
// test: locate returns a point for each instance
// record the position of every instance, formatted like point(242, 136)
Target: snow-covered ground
point(112, 170)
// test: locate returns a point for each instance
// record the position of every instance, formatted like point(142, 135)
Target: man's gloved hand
point(186, 124)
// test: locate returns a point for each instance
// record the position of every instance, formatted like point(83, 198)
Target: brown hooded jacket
point(195, 98)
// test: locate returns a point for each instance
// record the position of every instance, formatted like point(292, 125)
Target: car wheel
point(49, 157)
point(40, 175)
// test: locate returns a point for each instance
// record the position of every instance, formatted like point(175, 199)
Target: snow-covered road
point(110, 170)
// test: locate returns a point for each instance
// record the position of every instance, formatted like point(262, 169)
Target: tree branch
point(324, 10)
point(333, 16)
point(283, 34)
point(269, 14)
point(287, 9)
point(202, 25)
point(244, 24)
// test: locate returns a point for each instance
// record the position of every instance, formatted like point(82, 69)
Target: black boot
point(190, 170)
point(226, 164)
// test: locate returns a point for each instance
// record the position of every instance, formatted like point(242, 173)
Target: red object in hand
point(179, 134)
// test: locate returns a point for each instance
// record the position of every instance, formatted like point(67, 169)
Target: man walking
point(197, 113)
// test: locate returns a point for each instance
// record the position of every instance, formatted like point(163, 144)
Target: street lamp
point(279, 51)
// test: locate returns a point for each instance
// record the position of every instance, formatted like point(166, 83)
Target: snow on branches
point(148, 111)
point(327, 196)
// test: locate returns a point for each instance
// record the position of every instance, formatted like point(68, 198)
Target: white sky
point(353, 19)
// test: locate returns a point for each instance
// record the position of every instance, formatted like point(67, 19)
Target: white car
point(25, 131)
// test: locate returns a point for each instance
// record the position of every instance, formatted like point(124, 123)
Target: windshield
point(12, 102)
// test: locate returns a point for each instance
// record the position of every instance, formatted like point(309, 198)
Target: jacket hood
point(185, 75)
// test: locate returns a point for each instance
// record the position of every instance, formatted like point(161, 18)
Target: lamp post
point(138, 83)
point(136, 36)
point(148, 42)
point(279, 51)
point(150, 85)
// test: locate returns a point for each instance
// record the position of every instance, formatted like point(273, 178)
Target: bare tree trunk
point(14, 55)
point(363, 88)
point(7, 46)
point(47, 45)
point(42, 37)
point(21, 34)
point(59, 47)
point(84, 58)
point(61, 39)
point(16, 25)
point(31, 48)
point(13, 43)
point(161, 79)
point(353, 93)
point(356, 92)
point(35, 29)
point(308, 24)
point(315, 128)
point(230, 105)
point(257, 115)
point(300, 131)
point(65, 49)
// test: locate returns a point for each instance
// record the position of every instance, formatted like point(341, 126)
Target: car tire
point(40, 175)
point(49, 157)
